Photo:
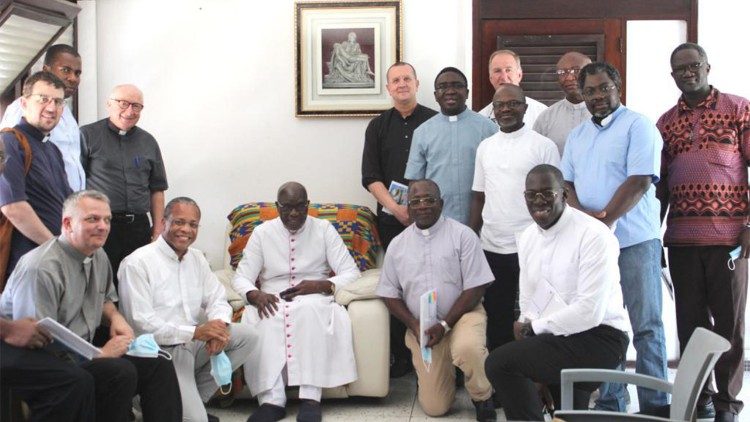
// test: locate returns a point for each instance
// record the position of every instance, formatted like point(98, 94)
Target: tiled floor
point(400, 405)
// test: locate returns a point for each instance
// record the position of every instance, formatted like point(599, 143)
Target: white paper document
point(70, 339)
point(427, 318)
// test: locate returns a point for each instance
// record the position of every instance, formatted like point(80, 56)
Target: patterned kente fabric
point(704, 160)
point(355, 224)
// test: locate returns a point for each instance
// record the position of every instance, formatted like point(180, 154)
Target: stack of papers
point(427, 318)
point(70, 339)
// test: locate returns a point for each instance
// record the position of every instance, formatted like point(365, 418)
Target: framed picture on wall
point(343, 50)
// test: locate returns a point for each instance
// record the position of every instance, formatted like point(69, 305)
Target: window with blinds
point(539, 55)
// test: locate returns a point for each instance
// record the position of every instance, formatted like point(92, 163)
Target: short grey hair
point(70, 206)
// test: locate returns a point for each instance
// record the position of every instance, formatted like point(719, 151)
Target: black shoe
point(485, 410)
point(212, 418)
point(705, 411)
point(400, 367)
point(309, 411)
point(267, 413)
point(724, 416)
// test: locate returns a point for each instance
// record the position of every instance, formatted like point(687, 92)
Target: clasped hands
point(434, 333)
point(267, 303)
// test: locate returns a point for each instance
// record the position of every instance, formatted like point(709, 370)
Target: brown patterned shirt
point(704, 162)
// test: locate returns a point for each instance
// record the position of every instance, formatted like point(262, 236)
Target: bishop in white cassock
point(305, 337)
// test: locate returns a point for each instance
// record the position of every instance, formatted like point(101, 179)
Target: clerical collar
point(457, 117)
point(432, 229)
point(119, 131)
point(31, 130)
point(559, 224)
point(71, 250)
point(607, 120)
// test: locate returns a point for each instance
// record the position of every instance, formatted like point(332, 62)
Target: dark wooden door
point(540, 43)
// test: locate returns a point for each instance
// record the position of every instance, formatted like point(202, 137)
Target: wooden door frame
point(489, 10)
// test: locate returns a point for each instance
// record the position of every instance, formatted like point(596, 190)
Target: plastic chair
point(696, 363)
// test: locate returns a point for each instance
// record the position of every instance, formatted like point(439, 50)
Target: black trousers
point(710, 295)
point(515, 367)
point(500, 298)
point(117, 380)
point(388, 228)
point(125, 236)
point(55, 390)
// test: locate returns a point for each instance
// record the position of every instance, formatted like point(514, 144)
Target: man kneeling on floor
point(571, 302)
point(440, 253)
point(166, 289)
point(306, 338)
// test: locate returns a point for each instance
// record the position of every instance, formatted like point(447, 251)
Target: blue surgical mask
point(221, 370)
point(144, 346)
point(734, 254)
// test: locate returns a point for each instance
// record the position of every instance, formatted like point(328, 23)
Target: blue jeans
point(640, 279)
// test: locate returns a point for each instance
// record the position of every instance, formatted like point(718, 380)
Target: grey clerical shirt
point(447, 257)
point(52, 281)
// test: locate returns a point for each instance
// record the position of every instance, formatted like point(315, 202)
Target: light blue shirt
point(444, 149)
point(66, 136)
point(598, 159)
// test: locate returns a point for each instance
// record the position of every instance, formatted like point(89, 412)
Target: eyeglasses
point(427, 200)
point(603, 89)
point(563, 72)
point(498, 105)
point(546, 195)
point(444, 86)
point(182, 223)
point(301, 207)
point(44, 100)
point(692, 67)
point(123, 104)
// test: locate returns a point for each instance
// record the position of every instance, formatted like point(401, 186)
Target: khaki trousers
point(465, 346)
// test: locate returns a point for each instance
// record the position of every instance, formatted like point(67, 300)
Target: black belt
point(127, 217)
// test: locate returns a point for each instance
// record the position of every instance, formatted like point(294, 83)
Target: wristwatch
point(333, 288)
point(445, 326)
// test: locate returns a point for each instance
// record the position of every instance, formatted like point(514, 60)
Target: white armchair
point(370, 329)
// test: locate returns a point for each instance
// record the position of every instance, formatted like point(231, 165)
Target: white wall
point(218, 78)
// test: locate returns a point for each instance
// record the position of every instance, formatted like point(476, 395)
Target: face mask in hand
point(221, 370)
point(734, 254)
point(144, 346)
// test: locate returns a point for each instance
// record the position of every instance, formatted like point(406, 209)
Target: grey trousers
point(193, 366)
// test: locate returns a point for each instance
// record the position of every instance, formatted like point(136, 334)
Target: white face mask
point(734, 254)
point(145, 346)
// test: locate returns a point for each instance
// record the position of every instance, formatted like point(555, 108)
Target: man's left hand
point(745, 243)
point(436, 333)
point(306, 287)
point(119, 327)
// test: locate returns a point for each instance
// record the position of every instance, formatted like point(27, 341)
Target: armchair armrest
point(570, 376)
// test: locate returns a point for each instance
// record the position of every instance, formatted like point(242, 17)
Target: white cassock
point(312, 334)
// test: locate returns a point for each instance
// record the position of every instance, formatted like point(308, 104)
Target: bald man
point(305, 336)
point(560, 118)
point(505, 68)
point(124, 162)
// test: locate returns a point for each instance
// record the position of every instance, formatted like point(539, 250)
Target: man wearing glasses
point(444, 147)
point(64, 62)
point(505, 68)
point(610, 165)
point(124, 161)
point(33, 200)
point(498, 212)
point(704, 183)
point(304, 336)
point(571, 303)
point(439, 253)
point(560, 118)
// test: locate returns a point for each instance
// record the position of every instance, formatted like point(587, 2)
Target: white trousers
point(276, 395)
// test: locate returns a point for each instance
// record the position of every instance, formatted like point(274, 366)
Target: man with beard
point(610, 165)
